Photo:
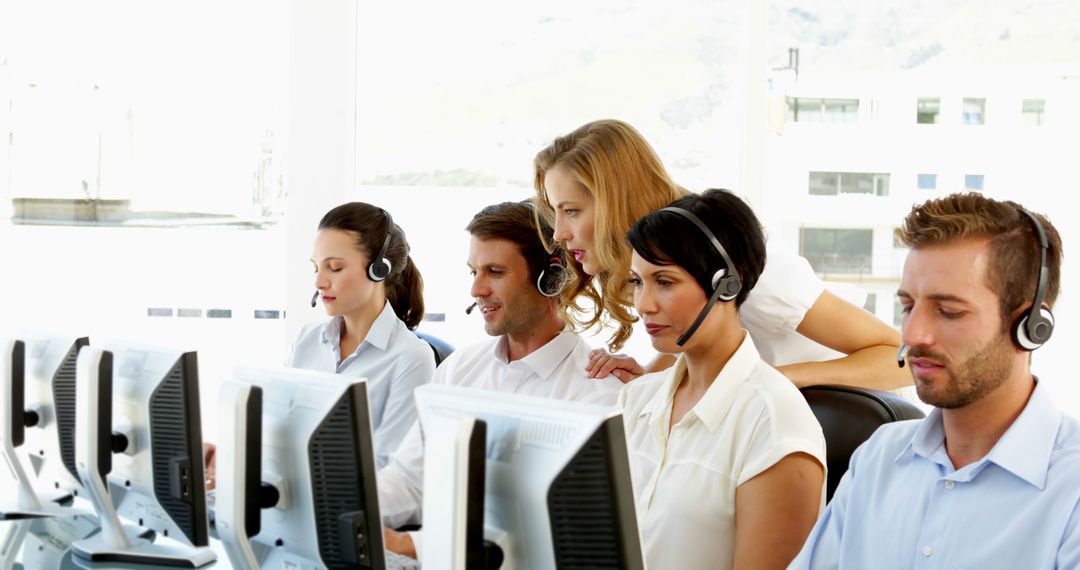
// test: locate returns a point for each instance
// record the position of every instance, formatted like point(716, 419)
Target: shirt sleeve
point(399, 413)
point(785, 291)
point(401, 482)
point(601, 391)
point(295, 357)
point(1069, 552)
point(784, 427)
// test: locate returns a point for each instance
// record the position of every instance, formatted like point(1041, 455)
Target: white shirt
point(392, 359)
point(685, 480)
point(777, 304)
point(555, 370)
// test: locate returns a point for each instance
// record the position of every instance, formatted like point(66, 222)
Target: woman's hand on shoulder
point(603, 363)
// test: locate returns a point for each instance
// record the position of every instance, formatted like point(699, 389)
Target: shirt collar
point(378, 335)
point(544, 360)
point(1023, 450)
point(717, 400)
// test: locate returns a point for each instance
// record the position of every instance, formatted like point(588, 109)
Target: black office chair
point(440, 347)
point(848, 417)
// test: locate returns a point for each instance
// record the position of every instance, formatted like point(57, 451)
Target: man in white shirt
point(516, 285)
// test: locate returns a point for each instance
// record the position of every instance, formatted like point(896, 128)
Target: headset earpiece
point(380, 266)
point(552, 278)
point(1031, 331)
point(1034, 326)
point(728, 285)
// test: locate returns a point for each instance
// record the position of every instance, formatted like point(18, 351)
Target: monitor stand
point(28, 504)
point(11, 542)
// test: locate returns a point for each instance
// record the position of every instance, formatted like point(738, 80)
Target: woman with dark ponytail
point(373, 293)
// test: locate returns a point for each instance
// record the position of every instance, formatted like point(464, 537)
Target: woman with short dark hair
point(728, 461)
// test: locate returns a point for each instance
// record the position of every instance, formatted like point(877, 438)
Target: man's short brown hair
point(1015, 251)
point(515, 222)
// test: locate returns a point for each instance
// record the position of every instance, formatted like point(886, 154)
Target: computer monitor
point(139, 430)
point(453, 504)
point(318, 458)
point(37, 399)
point(558, 489)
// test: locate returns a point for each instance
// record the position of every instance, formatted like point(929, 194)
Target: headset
point(553, 277)
point(553, 274)
point(725, 281)
point(1034, 326)
point(380, 266)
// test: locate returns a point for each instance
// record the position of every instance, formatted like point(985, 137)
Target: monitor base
point(49, 505)
point(98, 549)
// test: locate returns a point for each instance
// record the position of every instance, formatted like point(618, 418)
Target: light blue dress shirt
point(393, 359)
point(901, 504)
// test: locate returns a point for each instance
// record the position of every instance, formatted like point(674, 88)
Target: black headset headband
point(1035, 325)
point(719, 288)
point(389, 231)
point(1044, 270)
point(379, 267)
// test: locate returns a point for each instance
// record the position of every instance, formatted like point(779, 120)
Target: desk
point(45, 544)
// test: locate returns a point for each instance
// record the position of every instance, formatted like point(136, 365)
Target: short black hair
point(666, 238)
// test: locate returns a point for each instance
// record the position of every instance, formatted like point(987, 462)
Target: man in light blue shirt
point(991, 478)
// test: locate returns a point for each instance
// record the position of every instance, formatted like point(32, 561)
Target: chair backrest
point(440, 347)
point(848, 417)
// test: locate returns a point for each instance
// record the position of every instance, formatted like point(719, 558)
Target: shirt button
point(927, 551)
point(950, 484)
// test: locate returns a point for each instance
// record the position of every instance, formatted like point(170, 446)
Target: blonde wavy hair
point(626, 180)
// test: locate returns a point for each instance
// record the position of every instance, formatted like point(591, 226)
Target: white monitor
point(454, 499)
point(558, 489)
point(137, 408)
point(319, 505)
point(37, 397)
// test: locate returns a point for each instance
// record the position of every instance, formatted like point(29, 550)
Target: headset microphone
point(469, 310)
point(313, 298)
point(901, 355)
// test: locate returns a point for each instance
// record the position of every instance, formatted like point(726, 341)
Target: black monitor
point(139, 430)
point(296, 471)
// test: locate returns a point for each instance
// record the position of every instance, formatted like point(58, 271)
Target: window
point(974, 111)
point(897, 312)
point(927, 181)
point(1033, 111)
point(871, 303)
point(834, 183)
point(806, 110)
point(927, 110)
point(837, 250)
point(153, 158)
point(973, 181)
point(824, 183)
